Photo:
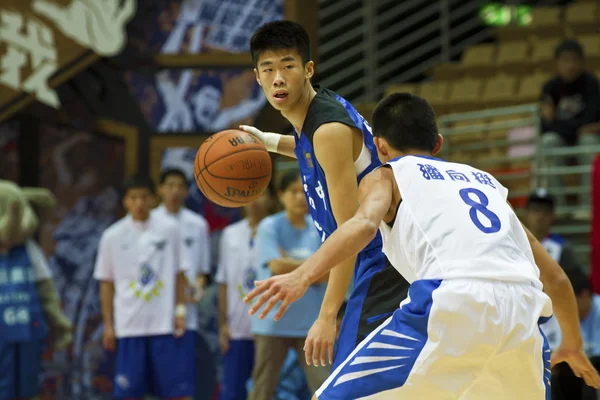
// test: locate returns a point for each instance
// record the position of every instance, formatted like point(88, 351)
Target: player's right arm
point(559, 289)
point(274, 142)
point(104, 272)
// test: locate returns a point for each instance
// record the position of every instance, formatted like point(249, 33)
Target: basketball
point(232, 168)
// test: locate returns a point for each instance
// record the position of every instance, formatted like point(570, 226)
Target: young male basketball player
point(334, 147)
point(469, 327)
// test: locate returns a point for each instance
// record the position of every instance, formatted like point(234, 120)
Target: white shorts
point(455, 339)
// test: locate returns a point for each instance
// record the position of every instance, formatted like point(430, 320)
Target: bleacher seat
point(530, 87)
point(591, 47)
point(479, 61)
point(547, 21)
point(513, 56)
point(499, 91)
point(436, 93)
point(465, 95)
point(542, 54)
point(582, 18)
point(402, 87)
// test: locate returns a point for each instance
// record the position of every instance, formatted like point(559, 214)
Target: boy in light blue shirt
point(283, 242)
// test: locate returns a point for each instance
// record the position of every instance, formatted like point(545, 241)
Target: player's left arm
point(375, 198)
point(333, 146)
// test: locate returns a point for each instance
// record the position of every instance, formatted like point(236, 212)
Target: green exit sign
point(497, 14)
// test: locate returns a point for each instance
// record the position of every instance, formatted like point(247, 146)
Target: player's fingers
point(281, 311)
point(272, 303)
point(316, 352)
point(308, 350)
point(250, 129)
point(591, 378)
point(262, 300)
point(324, 351)
point(255, 292)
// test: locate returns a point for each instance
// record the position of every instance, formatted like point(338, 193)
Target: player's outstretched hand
point(286, 288)
point(579, 363)
point(318, 347)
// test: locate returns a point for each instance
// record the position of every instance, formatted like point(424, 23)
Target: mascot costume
point(29, 306)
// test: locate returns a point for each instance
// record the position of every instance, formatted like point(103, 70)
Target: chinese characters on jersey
point(430, 172)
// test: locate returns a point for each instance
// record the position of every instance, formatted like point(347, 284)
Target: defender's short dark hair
point(569, 46)
point(280, 35)
point(406, 122)
point(137, 182)
point(172, 172)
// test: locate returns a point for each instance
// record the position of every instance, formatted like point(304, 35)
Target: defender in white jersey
point(469, 326)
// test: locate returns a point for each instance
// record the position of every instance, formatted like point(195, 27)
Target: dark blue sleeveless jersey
point(328, 107)
point(378, 287)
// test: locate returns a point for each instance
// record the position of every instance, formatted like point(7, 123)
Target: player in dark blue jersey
point(334, 147)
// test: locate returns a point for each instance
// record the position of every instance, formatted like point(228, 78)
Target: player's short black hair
point(288, 178)
point(137, 182)
point(280, 35)
point(172, 172)
point(580, 282)
point(406, 122)
point(569, 46)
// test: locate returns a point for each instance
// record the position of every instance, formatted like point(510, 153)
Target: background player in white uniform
point(236, 275)
point(195, 236)
point(142, 294)
point(469, 327)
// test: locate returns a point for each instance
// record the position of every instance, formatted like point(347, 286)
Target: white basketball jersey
point(454, 222)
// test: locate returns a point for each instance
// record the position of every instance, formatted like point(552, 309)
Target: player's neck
point(392, 154)
point(297, 114)
point(172, 208)
point(296, 220)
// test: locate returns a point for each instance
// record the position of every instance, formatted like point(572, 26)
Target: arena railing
point(503, 142)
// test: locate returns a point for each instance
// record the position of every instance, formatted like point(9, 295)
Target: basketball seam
point(222, 158)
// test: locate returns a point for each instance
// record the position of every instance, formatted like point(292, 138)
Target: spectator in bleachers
point(539, 217)
point(570, 112)
point(283, 242)
point(236, 274)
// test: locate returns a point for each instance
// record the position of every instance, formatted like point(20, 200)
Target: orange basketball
point(232, 168)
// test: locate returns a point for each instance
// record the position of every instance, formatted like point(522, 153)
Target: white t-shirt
point(41, 269)
point(454, 222)
point(237, 269)
point(142, 259)
point(195, 238)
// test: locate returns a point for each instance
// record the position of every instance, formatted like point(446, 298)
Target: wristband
point(180, 310)
point(271, 141)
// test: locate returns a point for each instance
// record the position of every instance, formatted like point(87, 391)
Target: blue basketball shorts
point(161, 365)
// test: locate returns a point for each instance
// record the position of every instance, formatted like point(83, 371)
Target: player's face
point(174, 191)
point(569, 66)
point(293, 199)
point(138, 202)
point(285, 80)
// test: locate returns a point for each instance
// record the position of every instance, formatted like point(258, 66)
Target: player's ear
point(380, 144)
point(310, 69)
point(438, 145)
point(257, 78)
